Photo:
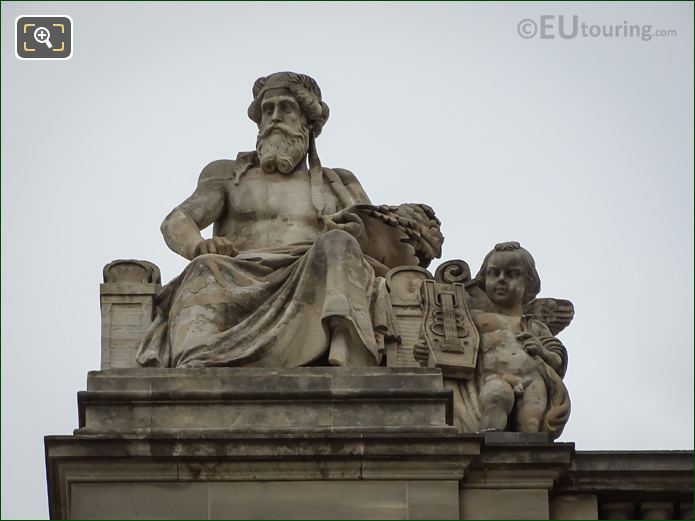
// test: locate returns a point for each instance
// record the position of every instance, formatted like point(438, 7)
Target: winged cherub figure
point(518, 379)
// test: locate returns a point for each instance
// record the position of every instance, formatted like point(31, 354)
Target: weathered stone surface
point(266, 500)
point(433, 500)
point(518, 460)
point(630, 474)
point(329, 500)
point(154, 500)
point(226, 457)
point(504, 504)
point(581, 506)
point(403, 283)
point(448, 330)
point(538, 478)
point(127, 306)
point(334, 500)
point(617, 510)
point(493, 438)
point(249, 379)
point(248, 399)
point(632, 484)
point(657, 510)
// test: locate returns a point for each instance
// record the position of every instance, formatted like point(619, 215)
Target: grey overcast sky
point(579, 148)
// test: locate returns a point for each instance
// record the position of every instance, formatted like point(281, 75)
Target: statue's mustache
point(286, 129)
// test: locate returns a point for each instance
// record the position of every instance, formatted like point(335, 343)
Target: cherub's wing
point(555, 313)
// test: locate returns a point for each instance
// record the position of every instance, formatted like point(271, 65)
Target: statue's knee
point(198, 262)
point(528, 422)
point(201, 265)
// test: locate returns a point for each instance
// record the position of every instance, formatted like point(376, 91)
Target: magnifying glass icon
point(43, 35)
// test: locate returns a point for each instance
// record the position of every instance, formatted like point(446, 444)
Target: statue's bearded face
point(283, 134)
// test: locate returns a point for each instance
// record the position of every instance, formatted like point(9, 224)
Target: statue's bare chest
point(490, 322)
point(261, 196)
point(500, 349)
point(271, 210)
point(497, 330)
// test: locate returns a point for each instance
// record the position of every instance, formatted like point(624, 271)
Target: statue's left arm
point(540, 342)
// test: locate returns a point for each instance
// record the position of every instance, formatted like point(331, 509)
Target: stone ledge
point(229, 457)
point(243, 446)
point(518, 461)
point(252, 399)
point(252, 378)
point(631, 474)
point(295, 431)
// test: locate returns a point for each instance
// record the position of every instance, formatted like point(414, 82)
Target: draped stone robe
point(271, 307)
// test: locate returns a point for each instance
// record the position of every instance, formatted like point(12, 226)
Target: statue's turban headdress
point(305, 90)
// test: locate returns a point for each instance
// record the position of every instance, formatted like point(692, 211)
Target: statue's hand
point(219, 245)
point(532, 344)
point(346, 220)
point(421, 352)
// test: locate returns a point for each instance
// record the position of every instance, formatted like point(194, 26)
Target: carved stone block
point(254, 443)
point(504, 504)
point(127, 303)
point(259, 400)
point(404, 283)
point(580, 506)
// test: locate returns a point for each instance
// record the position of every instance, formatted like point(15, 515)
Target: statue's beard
point(282, 150)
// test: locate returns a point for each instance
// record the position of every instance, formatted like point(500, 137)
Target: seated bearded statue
point(294, 272)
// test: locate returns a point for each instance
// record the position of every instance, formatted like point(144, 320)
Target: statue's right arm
point(181, 228)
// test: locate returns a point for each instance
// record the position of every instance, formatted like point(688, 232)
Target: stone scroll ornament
point(511, 379)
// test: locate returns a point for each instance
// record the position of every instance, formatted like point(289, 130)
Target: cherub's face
point(504, 279)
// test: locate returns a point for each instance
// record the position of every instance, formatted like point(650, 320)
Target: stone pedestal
point(513, 477)
point(329, 443)
point(307, 400)
point(127, 303)
point(247, 443)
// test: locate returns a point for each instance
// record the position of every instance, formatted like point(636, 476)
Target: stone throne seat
point(130, 287)
point(127, 306)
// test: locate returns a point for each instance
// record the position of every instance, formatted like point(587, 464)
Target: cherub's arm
point(549, 348)
point(181, 228)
